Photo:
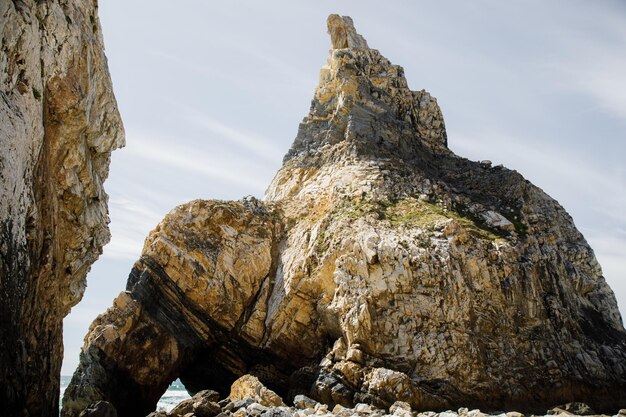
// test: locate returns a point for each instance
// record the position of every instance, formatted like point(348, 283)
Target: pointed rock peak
point(363, 107)
point(343, 34)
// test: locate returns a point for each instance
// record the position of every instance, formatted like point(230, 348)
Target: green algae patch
point(413, 213)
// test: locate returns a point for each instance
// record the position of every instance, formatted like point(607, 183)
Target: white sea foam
point(170, 399)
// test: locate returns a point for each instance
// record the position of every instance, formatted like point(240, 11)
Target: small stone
point(326, 362)
point(302, 402)
point(239, 404)
point(203, 407)
point(496, 220)
point(278, 412)
point(208, 394)
point(363, 408)
point(321, 408)
point(255, 409)
point(240, 413)
point(514, 414)
point(401, 409)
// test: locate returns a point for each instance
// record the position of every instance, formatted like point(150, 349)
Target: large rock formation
point(380, 267)
point(58, 125)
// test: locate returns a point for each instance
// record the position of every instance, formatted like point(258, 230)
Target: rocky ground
point(250, 398)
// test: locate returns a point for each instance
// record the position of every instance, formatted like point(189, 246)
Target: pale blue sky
point(211, 94)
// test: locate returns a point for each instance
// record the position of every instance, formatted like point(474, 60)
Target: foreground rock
point(58, 125)
point(381, 269)
point(305, 407)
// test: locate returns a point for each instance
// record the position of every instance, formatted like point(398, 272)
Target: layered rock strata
point(380, 267)
point(58, 125)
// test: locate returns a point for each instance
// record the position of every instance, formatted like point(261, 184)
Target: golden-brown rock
point(380, 268)
point(249, 386)
point(58, 125)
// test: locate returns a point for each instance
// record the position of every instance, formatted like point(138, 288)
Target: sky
point(212, 92)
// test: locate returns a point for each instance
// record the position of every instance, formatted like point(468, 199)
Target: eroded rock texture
point(58, 125)
point(380, 267)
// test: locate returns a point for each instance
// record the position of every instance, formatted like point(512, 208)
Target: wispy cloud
point(301, 79)
point(601, 40)
point(133, 219)
point(601, 78)
point(186, 158)
point(247, 141)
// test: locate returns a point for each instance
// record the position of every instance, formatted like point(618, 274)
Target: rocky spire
point(363, 106)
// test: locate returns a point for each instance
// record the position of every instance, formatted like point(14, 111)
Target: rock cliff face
point(380, 267)
point(58, 125)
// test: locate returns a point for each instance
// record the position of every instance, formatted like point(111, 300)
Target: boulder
point(249, 386)
point(302, 402)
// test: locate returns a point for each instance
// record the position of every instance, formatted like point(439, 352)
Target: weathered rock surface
point(58, 125)
point(381, 269)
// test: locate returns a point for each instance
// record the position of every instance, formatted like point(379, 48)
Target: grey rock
point(182, 408)
point(255, 409)
point(203, 407)
point(302, 402)
point(401, 409)
point(238, 404)
point(277, 412)
point(99, 409)
point(208, 395)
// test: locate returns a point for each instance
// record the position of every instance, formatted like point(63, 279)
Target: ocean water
point(175, 393)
